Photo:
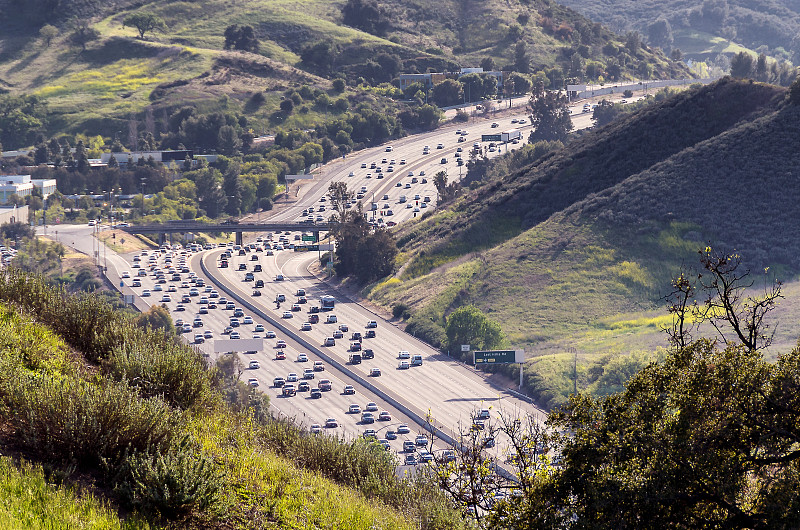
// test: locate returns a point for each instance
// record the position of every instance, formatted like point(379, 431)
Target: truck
point(510, 135)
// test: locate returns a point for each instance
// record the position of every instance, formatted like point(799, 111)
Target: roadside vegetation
point(590, 233)
point(166, 439)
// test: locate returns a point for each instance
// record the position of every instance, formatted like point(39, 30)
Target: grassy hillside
point(608, 220)
point(145, 435)
point(97, 89)
point(768, 25)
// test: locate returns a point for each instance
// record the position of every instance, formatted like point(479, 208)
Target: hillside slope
point(96, 86)
point(768, 25)
point(608, 221)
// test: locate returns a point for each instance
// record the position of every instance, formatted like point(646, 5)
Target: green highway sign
point(499, 357)
point(490, 138)
point(313, 247)
point(309, 237)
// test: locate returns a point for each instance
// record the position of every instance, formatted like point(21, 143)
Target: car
point(279, 278)
point(303, 386)
point(280, 355)
point(315, 428)
point(296, 307)
point(253, 365)
point(146, 293)
point(375, 372)
point(425, 456)
point(370, 334)
point(495, 125)
point(166, 298)
point(289, 390)
point(403, 365)
point(280, 344)
point(367, 417)
point(308, 373)
point(329, 341)
point(403, 429)
point(515, 120)
point(302, 358)
point(319, 366)
point(391, 435)
point(247, 320)
point(126, 274)
point(384, 416)
point(252, 381)
point(198, 338)
point(331, 423)
point(403, 355)
point(287, 314)
point(331, 319)
point(421, 439)
point(354, 409)
point(371, 324)
point(355, 346)
point(269, 334)
point(523, 121)
point(337, 335)
point(291, 378)
point(443, 161)
point(371, 407)
point(409, 446)
point(325, 385)
point(368, 353)
point(235, 335)
point(136, 283)
point(351, 174)
point(439, 146)
point(306, 326)
point(348, 390)
point(388, 148)
point(208, 334)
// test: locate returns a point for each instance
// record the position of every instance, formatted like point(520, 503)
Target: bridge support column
point(239, 238)
point(162, 238)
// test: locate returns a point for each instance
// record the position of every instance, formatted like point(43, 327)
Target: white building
point(23, 185)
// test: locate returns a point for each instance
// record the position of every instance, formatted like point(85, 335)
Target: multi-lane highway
point(440, 391)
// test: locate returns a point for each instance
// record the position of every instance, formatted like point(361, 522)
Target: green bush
point(66, 420)
point(399, 309)
point(156, 366)
point(171, 483)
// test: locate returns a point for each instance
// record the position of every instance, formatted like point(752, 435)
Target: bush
point(628, 93)
point(170, 484)
point(71, 421)
point(461, 116)
point(399, 309)
point(158, 367)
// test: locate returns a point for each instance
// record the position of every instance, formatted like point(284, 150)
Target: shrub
point(399, 310)
point(71, 421)
point(461, 116)
point(170, 483)
point(628, 93)
point(159, 367)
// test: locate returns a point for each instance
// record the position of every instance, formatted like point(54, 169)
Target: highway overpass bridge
point(186, 227)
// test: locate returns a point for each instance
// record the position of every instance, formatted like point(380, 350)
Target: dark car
point(368, 354)
point(356, 336)
point(259, 284)
point(370, 334)
point(315, 393)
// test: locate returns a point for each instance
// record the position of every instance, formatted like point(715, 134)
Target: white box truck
point(510, 135)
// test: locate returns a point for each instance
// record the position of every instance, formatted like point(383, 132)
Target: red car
point(280, 356)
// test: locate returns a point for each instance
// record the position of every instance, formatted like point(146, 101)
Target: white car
point(302, 358)
point(287, 314)
point(126, 274)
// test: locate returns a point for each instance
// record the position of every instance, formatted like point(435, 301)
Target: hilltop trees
point(469, 325)
point(48, 33)
point(241, 38)
point(143, 22)
point(366, 15)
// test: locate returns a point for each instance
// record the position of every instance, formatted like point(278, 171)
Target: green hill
point(95, 86)
point(607, 221)
point(768, 25)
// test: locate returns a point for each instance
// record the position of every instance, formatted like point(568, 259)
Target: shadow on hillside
point(116, 48)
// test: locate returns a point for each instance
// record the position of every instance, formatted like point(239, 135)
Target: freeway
point(447, 392)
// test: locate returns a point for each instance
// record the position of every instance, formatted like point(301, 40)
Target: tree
point(761, 68)
point(241, 38)
point(321, 55)
point(143, 22)
point(705, 439)
point(604, 113)
point(366, 15)
point(82, 34)
point(228, 142)
point(447, 93)
point(156, 318)
point(338, 85)
point(48, 33)
point(522, 62)
point(742, 65)
point(446, 191)
point(16, 230)
point(659, 33)
point(488, 64)
point(549, 117)
point(469, 325)
point(340, 198)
